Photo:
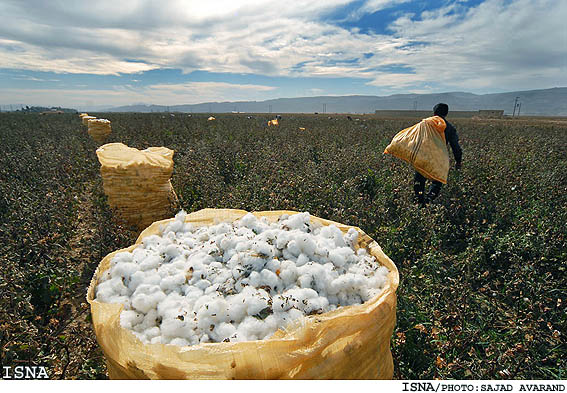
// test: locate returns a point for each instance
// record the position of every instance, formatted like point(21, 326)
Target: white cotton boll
point(204, 339)
point(337, 259)
point(237, 308)
point(282, 239)
point(129, 318)
point(218, 310)
point(202, 284)
point(263, 249)
point(304, 280)
point(141, 336)
point(293, 248)
point(172, 301)
point(172, 327)
point(117, 285)
point(270, 279)
point(181, 216)
point(361, 252)
point(152, 278)
point(156, 340)
point(172, 282)
point(188, 242)
point(104, 294)
point(306, 244)
point(295, 315)
point(121, 257)
point(181, 342)
point(227, 243)
point(202, 237)
point(249, 220)
point(150, 262)
point(118, 299)
point(376, 282)
point(273, 265)
point(212, 289)
point(298, 221)
point(302, 259)
point(152, 332)
point(255, 279)
point(383, 270)
point(280, 304)
point(202, 301)
point(175, 226)
point(288, 273)
point(223, 331)
point(139, 254)
point(252, 327)
point(148, 298)
point(256, 263)
point(351, 237)
point(255, 304)
point(125, 269)
point(171, 251)
point(150, 320)
point(136, 279)
point(333, 299)
point(316, 305)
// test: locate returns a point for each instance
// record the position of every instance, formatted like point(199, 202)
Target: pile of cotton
point(238, 281)
point(85, 119)
point(137, 182)
point(99, 129)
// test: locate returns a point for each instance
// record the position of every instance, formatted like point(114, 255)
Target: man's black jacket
point(452, 139)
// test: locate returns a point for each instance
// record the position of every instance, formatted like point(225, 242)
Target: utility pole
point(515, 105)
point(519, 107)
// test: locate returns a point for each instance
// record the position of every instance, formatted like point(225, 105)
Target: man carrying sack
point(424, 145)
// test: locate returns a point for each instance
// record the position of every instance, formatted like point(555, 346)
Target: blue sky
point(106, 53)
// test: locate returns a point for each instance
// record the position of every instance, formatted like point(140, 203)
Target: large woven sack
point(85, 119)
point(349, 343)
point(423, 145)
point(137, 182)
point(99, 129)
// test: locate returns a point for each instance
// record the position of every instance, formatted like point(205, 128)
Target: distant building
point(51, 112)
point(483, 113)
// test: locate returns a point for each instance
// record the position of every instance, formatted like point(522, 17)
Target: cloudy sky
point(116, 52)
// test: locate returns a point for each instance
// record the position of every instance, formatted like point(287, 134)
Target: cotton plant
point(239, 281)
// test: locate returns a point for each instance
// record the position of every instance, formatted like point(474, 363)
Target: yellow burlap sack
point(99, 129)
point(137, 182)
point(349, 343)
point(85, 119)
point(423, 145)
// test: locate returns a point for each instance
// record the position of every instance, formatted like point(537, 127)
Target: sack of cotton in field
point(85, 119)
point(227, 294)
point(423, 146)
point(137, 182)
point(99, 129)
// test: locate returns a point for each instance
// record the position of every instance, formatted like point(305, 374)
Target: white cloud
point(500, 44)
point(164, 94)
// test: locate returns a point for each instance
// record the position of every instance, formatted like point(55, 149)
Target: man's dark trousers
point(419, 189)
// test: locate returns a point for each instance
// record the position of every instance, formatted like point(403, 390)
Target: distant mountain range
point(546, 102)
